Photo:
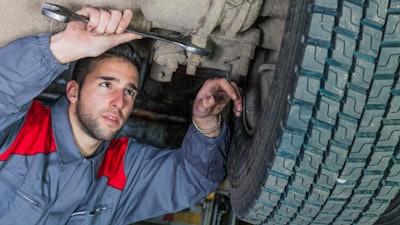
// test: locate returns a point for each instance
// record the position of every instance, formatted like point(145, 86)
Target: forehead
point(115, 67)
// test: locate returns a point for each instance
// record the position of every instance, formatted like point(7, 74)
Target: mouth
point(112, 119)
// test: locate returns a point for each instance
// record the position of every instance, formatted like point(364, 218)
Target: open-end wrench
point(64, 15)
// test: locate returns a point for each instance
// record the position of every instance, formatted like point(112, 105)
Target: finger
point(115, 18)
point(237, 103)
point(103, 22)
point(126, 18)
point(92, 13)
point(228, 88)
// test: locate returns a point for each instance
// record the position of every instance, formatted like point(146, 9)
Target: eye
point(130, 92)
point(105, 84)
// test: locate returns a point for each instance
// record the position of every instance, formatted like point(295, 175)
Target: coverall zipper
point(33, 202)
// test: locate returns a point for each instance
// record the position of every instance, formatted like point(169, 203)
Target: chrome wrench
point(64, 15)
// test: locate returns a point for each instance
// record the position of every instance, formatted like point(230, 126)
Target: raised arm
point(30, 64)
point(104, 31)
point(160, 182)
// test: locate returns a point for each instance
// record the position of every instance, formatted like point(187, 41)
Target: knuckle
point(104, 14)
point(116, 13)
point(127, 13)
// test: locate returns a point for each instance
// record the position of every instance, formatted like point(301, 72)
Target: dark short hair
point(123, 51)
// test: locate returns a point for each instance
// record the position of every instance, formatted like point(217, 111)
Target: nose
point(118, 100)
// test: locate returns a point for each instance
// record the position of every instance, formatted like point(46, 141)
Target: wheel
point(324, 148)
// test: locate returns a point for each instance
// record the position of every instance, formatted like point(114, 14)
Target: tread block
point(370, 181)
point(269, 197)
point(333, 205)
point(388, 60)
point(302, 219)
point(336, 80)
point(284, 164)
point(380, 89)
point(328, 107)
point(291, 142)
point(368, 219)
point(319, 136)
point(327, 3)
point(370, 42)
point(348, 215)
point(299, 116)
point(261, 207)
point(314, 58)
point(362, 146)
point(327, 178)
point(377, 207)
point(279, 219)
point(307, 88)
point(276, 181)
point(352, 169)
point(379, 161)
point(351, 16)
point(388, 191)
point(392, 32)
point(346, 129)
point(377, 10)
point(336, 156)
point(359, 200)
point(344, 49)
point(389, 135)
point(372, 118)
point(363, 73)
point(321, 27)
point(394, 109)
point(287, 210)
point(355, 101)
point(311, 159)
point(324, 218)
point(295, 196)
point(254, 217)
point(302, 179)
point(394, 173)
point(318, 194)
point(310, 209)
point(343, 189)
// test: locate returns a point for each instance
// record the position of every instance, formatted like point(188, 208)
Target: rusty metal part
point(275, 8)
point(194, 60)
point(167, 58)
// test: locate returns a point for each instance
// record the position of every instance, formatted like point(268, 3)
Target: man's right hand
point(104, 31)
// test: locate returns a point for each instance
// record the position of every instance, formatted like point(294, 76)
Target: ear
point(72, 91)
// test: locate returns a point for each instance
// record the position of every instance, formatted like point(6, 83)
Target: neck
point(87, 145)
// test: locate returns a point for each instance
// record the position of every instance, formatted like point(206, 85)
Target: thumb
point(124, 37)
point(205, 105)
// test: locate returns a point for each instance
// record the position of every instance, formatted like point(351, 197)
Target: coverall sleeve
point(27, 67)
point(172, 180)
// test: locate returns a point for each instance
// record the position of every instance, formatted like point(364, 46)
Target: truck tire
point(325, 149)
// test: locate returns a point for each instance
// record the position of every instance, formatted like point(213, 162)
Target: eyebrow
point(131, 85)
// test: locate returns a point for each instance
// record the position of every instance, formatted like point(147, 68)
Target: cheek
point(92, 104)
point(128, 109)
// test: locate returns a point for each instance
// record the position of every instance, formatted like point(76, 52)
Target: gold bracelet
point(208, 131)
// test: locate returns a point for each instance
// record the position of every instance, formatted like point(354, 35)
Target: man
point(63, 166)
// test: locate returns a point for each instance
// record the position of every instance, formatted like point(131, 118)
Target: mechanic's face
point(106, 98)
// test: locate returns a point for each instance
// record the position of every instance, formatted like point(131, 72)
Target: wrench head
point(56, 12)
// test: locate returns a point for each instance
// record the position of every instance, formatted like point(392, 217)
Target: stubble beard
point(90, 126)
